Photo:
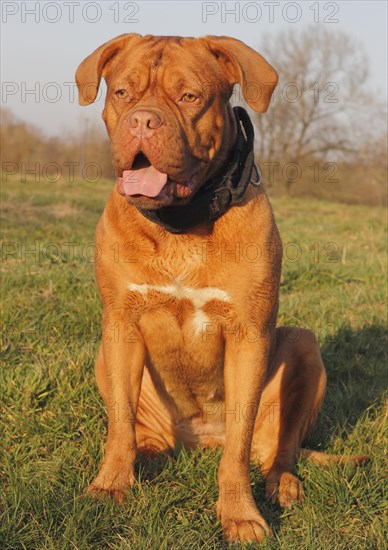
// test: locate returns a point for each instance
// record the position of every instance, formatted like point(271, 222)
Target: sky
point(42, 43)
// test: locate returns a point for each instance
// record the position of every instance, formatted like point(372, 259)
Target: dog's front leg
point(244, 370)
point(123, 358)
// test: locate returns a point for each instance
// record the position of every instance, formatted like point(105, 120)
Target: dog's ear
point(89, 73)
point(245, 66)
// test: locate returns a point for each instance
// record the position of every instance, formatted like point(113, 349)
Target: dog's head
point(167, 108)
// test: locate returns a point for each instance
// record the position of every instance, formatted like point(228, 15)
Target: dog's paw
point(285, 488)
point(114, 491)
point(112, 483)
point(238, 530)
point(242, 527)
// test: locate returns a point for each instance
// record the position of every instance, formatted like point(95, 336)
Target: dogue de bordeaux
point(188, 271)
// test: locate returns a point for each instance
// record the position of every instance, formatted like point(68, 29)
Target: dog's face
point(167, 110)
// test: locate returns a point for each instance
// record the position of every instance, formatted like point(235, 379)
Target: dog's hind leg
point(154, 425)
point(290, 402)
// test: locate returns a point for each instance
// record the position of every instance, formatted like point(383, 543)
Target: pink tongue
point(144, 181)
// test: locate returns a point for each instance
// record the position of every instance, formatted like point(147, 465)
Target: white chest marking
point(197, 296)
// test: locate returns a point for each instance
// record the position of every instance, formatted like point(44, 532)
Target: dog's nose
point(143, 123)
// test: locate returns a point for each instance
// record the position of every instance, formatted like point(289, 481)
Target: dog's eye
point(121, 94)
point(188, 98)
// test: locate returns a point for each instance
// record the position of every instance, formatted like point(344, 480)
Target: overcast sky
point(42, 43)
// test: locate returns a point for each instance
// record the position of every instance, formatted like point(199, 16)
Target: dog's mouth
point(142, 179)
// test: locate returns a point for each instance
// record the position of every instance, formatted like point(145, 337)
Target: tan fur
point(190, 351)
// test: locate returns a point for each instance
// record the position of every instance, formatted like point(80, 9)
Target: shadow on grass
point(355, 362)
point(149, 466)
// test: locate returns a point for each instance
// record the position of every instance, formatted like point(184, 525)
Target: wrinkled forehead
point(169, 61)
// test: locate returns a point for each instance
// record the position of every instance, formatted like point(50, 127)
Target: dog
point(188, 271)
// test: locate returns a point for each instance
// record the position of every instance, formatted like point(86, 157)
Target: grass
point(53, 422)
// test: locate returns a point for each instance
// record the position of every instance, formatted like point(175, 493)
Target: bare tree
point(322, 105)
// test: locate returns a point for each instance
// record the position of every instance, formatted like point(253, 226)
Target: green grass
point(53, 424)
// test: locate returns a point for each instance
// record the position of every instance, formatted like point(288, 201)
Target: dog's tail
point(323, 459)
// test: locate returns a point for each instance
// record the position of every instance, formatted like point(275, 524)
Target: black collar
point(217, 195)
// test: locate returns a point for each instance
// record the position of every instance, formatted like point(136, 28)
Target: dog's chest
point(182, 327)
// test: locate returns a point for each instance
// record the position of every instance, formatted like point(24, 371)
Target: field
point(53, 422)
